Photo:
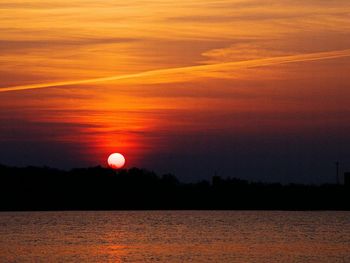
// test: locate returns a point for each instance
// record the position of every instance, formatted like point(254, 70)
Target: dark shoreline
point(101, 189)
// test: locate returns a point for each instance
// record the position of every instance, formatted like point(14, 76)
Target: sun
point(116, 161)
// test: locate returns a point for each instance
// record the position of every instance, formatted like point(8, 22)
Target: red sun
point(116, 161)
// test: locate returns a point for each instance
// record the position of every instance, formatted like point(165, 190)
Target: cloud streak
point(169, 75)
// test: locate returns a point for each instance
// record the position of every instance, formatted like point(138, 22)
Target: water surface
point(175, 236)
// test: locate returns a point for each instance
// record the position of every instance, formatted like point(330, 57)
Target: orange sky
point(207, 80)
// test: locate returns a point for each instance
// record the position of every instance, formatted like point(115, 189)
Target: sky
point(253, 89)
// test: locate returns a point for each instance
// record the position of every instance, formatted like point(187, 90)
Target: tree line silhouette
point(98, 188)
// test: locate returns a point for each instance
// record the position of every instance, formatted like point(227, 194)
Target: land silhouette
point(98, 188)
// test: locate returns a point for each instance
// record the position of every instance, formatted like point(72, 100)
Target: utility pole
point(337, 172)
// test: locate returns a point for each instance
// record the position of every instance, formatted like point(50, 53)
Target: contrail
point(192, 70)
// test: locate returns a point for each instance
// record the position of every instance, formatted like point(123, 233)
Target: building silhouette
point(347, 179)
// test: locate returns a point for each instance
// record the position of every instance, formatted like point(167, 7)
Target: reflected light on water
point(202, 236)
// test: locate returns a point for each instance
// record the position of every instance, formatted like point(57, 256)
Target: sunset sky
point(254, 89)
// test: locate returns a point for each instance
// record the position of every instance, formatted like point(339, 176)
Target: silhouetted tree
point(98, 188)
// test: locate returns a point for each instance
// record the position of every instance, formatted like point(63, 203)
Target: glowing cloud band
point(192, 71)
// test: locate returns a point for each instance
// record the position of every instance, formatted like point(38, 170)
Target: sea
point(175, 236)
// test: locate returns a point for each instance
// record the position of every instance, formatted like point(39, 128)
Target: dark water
point(175, 236)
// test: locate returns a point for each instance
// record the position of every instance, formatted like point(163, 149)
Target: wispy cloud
point(190, 72)
point(25, 45)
